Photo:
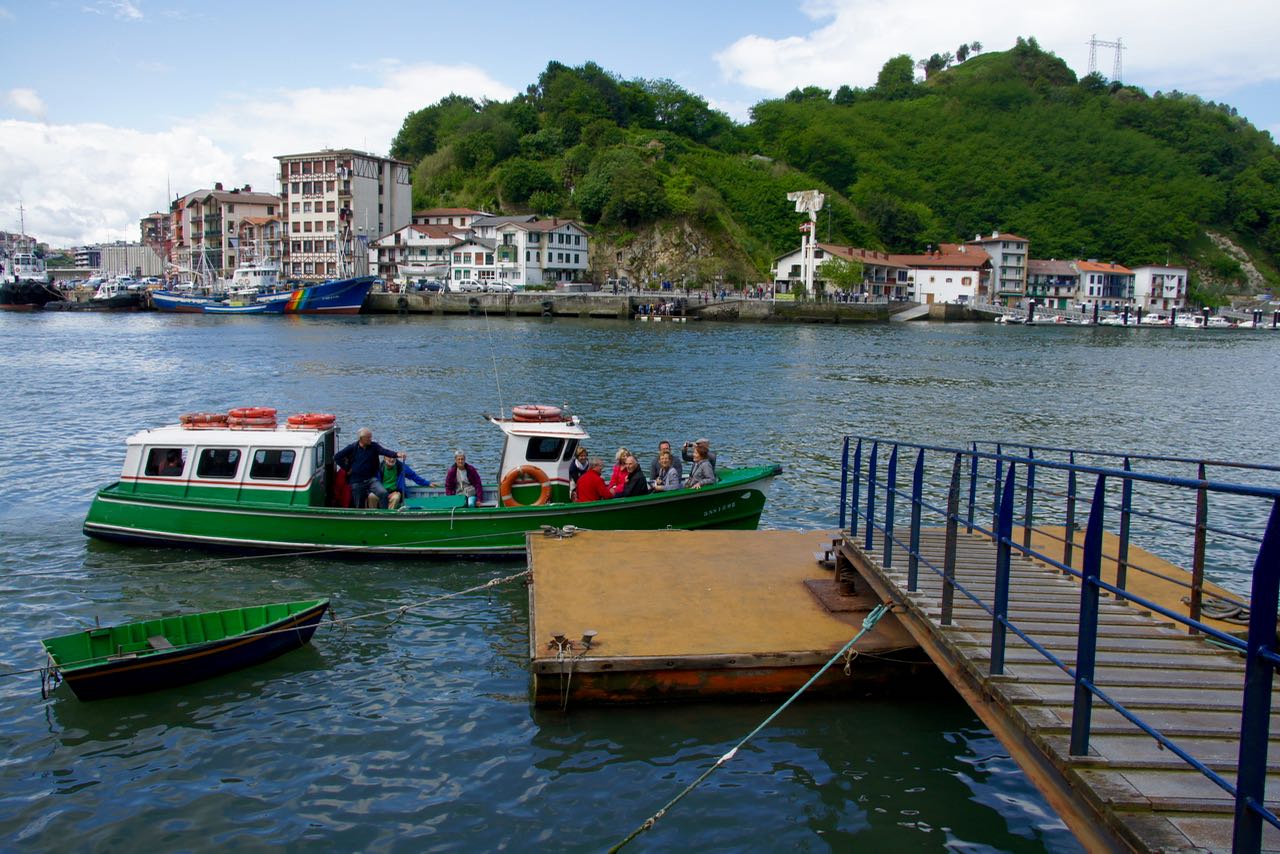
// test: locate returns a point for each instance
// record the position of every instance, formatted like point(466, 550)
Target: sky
point(108, 108)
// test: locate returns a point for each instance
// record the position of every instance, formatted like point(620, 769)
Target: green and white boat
point(267, 488)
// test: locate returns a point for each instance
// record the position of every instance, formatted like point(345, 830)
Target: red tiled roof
point(1097, 267)
point(438, 230)
point(866, 256)
point(1000, 236)
point(449, 212)
point(949, 256)
point(259, 220)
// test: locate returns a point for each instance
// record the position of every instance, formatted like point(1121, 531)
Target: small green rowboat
point(148, 655)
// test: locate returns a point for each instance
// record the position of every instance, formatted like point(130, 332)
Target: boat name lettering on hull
point(720, 509)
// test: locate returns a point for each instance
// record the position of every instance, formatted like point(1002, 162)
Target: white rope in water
point(867, 625)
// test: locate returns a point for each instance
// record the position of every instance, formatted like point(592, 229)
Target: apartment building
point(448, 216)
point(1053, 283)
point(416, 251)
point(335, 202)
point(156, 231)
point(1008, 265)
point(260, 238)
point(205, 224)
point(883, 277)
point(1107, 286)
point(952, 273)
point(538, 251)
point(1159, 289)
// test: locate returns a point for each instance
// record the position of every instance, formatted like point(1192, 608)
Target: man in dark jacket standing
point(361, 460)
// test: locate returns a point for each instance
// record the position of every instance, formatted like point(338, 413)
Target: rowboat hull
point(735, 502)
point(196, 654)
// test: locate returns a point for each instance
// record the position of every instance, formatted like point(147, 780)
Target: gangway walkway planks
point(1148, 726)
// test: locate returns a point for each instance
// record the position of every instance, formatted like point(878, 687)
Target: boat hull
point(736, 502)
point(341, 296)
point(156, 670)
point(26, 295)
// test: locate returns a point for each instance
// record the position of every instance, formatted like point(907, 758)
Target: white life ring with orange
point(504, 492)
point(536, 412)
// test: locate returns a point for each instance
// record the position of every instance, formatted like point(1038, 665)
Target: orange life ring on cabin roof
point(196, 420)
point(252, 412)
point(312, 420)
point(536, 412)
point(504, 492)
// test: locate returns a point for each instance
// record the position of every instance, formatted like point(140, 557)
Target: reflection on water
point(419, 733)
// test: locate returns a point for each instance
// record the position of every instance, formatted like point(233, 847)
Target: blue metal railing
point(1049, 480)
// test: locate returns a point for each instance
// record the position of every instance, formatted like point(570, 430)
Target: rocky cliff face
point(673, 250)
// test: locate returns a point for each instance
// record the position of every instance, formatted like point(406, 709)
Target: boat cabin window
point(271, 464)
point(165, 462)
point(544, 449)
point(569, 448)
point(218, 462)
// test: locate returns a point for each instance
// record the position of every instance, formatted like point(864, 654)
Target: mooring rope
point(334, 622)
point(867, 625)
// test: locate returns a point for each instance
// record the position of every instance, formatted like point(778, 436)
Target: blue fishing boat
point(338, 296)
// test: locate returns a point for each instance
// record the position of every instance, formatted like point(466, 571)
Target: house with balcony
point(205, 226)
point(532, 251)
point(260, 238)
point(883, 278)
point(473, 259)
point(1159, 289)
point(952, 273)
point(462, 217)
point(1009, 254)
point(1107, 286)
point(416, 252)
point(1053, 283)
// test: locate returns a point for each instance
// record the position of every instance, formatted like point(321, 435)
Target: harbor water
point(418, 734)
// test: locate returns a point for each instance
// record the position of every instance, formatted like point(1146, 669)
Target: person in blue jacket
point(360, 459)
point(393, 474)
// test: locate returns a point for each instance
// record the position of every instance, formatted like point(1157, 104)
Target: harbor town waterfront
point(419, 733)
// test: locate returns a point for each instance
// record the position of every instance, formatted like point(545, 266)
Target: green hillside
point(1009, 141)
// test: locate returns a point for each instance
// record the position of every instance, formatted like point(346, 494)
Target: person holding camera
point(707, 454)
point(703, 473)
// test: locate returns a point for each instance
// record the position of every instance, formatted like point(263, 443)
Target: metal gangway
point(1068, 596)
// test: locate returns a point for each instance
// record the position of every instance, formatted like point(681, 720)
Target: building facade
point(1160, 289)
point(540, 252)
point(1053, 283)
point(448, 216)
point(951, 273)
point(334, 203)
point(129, 259)
point(415, 252)
point(1107, 286)
point(204, 227)
point(1009, 254)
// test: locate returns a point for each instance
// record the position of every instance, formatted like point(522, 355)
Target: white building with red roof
point(1009, 254)
point(1160, 289)
point(952, 273)
point(448, 216)
point(1108, 286)
point(415, 252)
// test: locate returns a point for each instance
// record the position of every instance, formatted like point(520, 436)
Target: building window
point(306, 246)
point(328, 206)
point(306, 207)
point(297, 207)
point(297, 226)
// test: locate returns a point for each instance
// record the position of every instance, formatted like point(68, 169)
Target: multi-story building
point(1161, 289)
point(205, 226)
point(538, 251)
point(335, 202)
point(882, 276)
point(156, 229)
point(1107, 286)
point(416, 252)
point(448, 216)
point(260, 238)
point(954, 273)
point(1053, 283)
point(1008, 265)
point(473, 258)
point(129, 259)
point(87, 257)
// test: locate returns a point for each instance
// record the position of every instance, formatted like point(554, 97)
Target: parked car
point(429, 285)
point(499, 287)
point(468, 286)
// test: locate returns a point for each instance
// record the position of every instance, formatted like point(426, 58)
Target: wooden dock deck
point(1128, 792)
point(699, 615)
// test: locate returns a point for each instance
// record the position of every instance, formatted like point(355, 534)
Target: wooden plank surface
point(1145, 796)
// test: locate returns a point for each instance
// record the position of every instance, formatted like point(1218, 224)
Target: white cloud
point(84, 183)
point(1196, 47)
point(5, 14)
point(25, 100)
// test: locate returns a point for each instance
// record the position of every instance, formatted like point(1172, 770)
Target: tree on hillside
point(423, 131)
point(962, 53)
point(896, 79)
point(845, 95)
point(934, 64)
point(808, 93)
point(975, 47)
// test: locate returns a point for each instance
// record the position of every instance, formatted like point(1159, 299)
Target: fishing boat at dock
point(339, 296)
point(149, 655)
point(264, 487)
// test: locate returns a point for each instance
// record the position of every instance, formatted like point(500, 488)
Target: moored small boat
point(148, 655)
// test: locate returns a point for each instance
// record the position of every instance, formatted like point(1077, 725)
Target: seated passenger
point(668, 476)
point(635, 483)
point(707, 454)
point(619, 477)
point(665, 446)
point(577, 468)
point(394, 473)
point(172, 465)
point(463, 479)
point(591, 485)
point(702, 474)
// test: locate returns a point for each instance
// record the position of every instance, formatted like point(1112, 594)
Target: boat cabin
point(538, 445)
point(276, 465)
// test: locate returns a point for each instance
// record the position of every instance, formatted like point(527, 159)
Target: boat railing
point(1215, 516)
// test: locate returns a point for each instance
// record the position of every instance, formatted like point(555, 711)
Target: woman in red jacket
point(619, 477)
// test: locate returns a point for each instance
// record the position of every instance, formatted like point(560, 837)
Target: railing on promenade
point(1216, 515)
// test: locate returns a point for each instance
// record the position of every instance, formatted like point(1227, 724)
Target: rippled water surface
point(420, 735)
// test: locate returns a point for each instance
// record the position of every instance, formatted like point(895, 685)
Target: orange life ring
point(536, 412)
point(528, 471)
point(253, 412)
point(195, 420)
point(251, 423)
point(312, 419)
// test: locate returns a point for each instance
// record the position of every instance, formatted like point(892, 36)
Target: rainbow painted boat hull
point(339, 296)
